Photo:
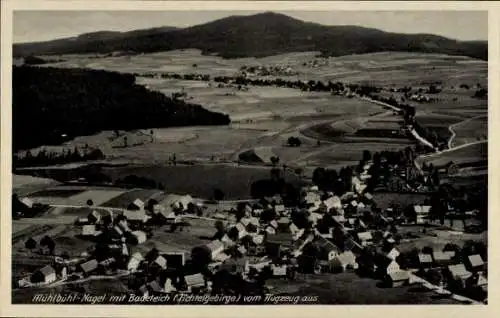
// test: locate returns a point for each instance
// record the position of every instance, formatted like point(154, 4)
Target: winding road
point(453, 133)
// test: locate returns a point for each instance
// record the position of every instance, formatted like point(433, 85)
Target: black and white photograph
point(263, 157)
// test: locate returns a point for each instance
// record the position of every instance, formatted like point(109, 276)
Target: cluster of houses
point(325, 233)
point(273, 70)
point(114, 232)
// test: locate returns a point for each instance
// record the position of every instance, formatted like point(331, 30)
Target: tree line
point(45, 158)
point(55, 105)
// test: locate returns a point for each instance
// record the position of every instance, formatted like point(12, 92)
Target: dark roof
point(89, 266)
point(280, 238)
point(47, 270)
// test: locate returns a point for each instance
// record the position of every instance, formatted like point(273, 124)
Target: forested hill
point(260, 35)
point(49, 102)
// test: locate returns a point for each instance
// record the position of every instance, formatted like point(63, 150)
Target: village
point(323, 232)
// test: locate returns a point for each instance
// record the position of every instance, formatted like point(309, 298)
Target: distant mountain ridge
point(258, 35)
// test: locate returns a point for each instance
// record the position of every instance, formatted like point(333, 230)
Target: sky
point(31, 26)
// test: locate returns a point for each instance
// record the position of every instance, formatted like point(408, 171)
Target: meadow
point(263, 118)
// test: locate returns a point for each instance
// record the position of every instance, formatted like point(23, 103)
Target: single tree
point(30, 244)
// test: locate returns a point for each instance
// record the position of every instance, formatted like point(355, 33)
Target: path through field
point(453, 133)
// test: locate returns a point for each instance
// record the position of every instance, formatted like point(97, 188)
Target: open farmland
point(75, 197)
point(470, 130)
point(123, 200)
point(461, 156)
point(264, 117)
point(338, 155)
point(385, 68)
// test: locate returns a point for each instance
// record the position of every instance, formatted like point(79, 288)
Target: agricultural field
point(385, 68)
point(462, 156)
point(263, 118)
point(471, 130)
point(62, 196)
point(123, 200)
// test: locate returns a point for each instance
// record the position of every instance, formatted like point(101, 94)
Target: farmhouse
point(46, 275)
point(332, 203)
point(398, 278)
point(89, 230)
point(365, 238)
point(237, 231)
point(194, 281)
point(441, 259)
point(135, 261)
point(327, 250)
point(160, 262)
point(135, 216)
point(27, 202)
point(459, 272)
point(221, 257)
point(393, 254)
point(94, 217)
point(155, 288)
point(276, 243)
point(138, 204)
point(215, 247)
point(343, 261)
point(140, 237)
point(385, 266)
point(88, 267)
point(474, 263)
point(425, 260)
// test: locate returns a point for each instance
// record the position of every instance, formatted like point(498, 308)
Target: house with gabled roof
point(333, 202)
point(385, 265)
point(194, 281)
point(134, 261)
point(441, 258)
point(155, 288)
point(137, 204)
point(237, 231)
point(143, 290)
point(135, 216)
point(365, 238)
point(94, 217)
point(398, 278)
point(160, 262)
point(425, 261)
point(215, 247)
point(227, 241)
point(458, 272)
point(327, 251)
point(393, 253)
point(89, 267)
point(89, 230)
point(344, 261)
point(46, 275)
point(474, 263)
